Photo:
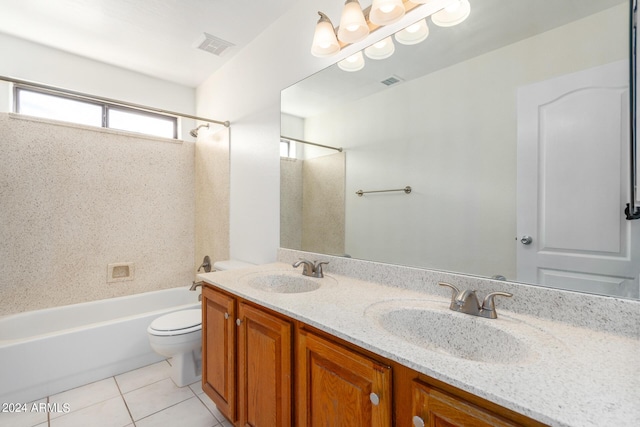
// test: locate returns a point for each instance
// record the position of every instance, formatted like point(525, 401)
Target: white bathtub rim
point(26, 314)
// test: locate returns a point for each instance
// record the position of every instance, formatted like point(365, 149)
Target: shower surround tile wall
point(212, 195)
point(74, 199)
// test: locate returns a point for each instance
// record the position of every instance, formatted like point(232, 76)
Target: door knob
point(526, 240)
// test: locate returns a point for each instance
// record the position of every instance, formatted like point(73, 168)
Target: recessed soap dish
point(120, 272)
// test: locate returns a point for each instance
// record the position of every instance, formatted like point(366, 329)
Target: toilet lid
point(179, 322)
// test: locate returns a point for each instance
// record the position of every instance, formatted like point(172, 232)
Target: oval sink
point(454, 334)
point(284, 282)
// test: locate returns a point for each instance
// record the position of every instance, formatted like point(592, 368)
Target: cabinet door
point(218, 350)
point(433, 408)
point(264, 369)
point(340, 388)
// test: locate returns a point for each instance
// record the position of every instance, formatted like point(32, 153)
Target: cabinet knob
point(238, 322)
point(417, 421)
point(374, 399)
point(226, 315)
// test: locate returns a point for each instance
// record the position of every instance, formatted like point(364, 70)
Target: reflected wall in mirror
point(512, 129)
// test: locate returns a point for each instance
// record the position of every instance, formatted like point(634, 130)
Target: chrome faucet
point(309, 268)
point(467, 302)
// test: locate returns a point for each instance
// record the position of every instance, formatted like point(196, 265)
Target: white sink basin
point(462, 336)
point(285, 282)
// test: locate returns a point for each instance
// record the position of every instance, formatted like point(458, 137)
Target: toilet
point(178, 336)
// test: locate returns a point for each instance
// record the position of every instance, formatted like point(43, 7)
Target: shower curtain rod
point(311, 143)
point(109, 100)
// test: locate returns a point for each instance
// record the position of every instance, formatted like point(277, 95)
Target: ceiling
point(153, 37)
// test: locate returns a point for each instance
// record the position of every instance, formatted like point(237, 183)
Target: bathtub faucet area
point(194, 286)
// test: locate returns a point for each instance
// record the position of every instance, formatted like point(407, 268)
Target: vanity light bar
point(357, 24)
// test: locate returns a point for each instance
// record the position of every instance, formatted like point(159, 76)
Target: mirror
point(512, 130)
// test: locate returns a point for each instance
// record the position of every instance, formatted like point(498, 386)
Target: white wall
point(30, 61)
point(246, 91)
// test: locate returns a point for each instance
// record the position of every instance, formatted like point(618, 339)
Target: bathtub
point(47, 351)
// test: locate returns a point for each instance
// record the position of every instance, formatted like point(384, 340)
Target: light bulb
point(452, 14)
point(352, 63)
point(414, 33)
point(353, 27)
point(385, 12)
point(381, 50)
point(325, 42)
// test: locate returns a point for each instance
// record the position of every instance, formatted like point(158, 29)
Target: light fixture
point(353, 27)
point(385, 12)
point(325, 42)
point(453, 14)
point(352, 63)
point(414, 33)
point(381, 50)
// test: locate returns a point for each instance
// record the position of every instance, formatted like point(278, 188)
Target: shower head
point(194, 132)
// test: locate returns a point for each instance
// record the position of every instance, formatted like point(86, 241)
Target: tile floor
point(146, 397)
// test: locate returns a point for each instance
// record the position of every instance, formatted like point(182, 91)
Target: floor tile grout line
point(207, 408)
point(167, 407)
point(125, 402)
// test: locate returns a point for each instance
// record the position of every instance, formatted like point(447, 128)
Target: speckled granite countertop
point(556, 373)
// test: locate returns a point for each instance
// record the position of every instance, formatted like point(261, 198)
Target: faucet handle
point(454, 293)
point(206, 264)
point(488, 305)
point(317, 268)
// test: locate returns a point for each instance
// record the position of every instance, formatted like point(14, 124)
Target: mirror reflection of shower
point(194, 132)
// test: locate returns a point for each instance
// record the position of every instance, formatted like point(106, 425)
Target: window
point(48, 105)
point(287, 148)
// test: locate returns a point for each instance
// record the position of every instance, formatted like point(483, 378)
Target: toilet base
point(186, 368)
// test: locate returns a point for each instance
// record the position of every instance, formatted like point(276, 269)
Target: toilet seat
point(177, 323)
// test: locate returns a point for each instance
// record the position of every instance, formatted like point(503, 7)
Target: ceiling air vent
point(213, 44)
point(391, 80)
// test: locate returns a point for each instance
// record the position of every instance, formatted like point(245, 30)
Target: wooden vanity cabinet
point(434, 408)
point(219, 350)
point(247, 361)
point(249, 365)
point(339, 387)
point(264, 368)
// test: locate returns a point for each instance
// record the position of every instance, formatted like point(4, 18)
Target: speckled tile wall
point(212, 195)
point(75, 199)
point(291, 203)
point(323, 208)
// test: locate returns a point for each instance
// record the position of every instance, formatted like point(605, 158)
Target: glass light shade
point(453, 14)
point(354, 62)
point(414, 33)
point(385, 12)
point(353, 27)
point(325, 42)
point(381, 50)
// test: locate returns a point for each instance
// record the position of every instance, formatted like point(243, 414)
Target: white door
point(573, 180)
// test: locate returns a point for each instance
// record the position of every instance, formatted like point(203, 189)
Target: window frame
point(105, 106)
